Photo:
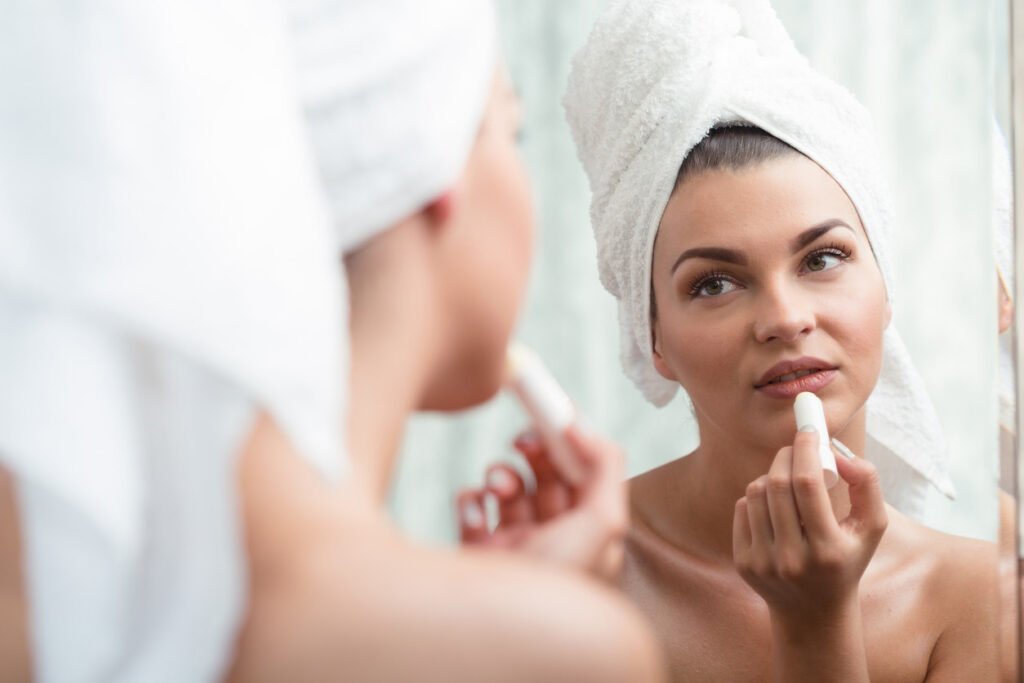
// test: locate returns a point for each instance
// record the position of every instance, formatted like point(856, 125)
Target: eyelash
point(831, 249)
point(704, 278)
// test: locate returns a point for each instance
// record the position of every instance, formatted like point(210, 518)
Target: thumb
point(867, 507)
point(604, 496)
point(602, 459)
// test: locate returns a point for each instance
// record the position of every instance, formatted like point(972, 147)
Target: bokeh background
point(933, 74)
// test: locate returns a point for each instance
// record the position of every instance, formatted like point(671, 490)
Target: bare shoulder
point(962, 570)
point(336, 590)
point(958, 580)
point(947, 561)
point(14, 646)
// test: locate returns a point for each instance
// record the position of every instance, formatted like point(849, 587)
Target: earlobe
point(659, 361)
point(440, 210)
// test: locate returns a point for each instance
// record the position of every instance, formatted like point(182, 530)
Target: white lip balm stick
point(549, 407)
point(809, 412)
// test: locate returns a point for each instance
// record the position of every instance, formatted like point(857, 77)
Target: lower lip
point(814, 382)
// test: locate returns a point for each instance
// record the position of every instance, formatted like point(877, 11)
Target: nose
point(783, 314)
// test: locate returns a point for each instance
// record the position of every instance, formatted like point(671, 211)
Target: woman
point(747, 270)
point(780, 294)
point(748, 273)
point(224, 473)
point(414, 128)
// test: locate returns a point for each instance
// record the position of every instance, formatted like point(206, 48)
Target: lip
point(814, 382)
point(822, 374)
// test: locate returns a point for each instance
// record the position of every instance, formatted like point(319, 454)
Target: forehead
point(755, 207)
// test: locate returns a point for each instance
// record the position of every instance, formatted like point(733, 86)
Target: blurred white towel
point(166, 269)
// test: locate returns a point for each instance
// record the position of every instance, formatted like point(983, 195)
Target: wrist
point(823, 622)
point(822, 645)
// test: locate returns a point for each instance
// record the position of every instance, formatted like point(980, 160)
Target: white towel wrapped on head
point(393, 94)
point(653, 79)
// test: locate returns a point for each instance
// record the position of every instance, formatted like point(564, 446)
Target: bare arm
point(337, 594)
point(15, 664)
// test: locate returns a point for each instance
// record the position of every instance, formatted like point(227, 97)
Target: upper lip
point(787, 367)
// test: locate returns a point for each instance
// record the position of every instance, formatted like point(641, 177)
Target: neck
point(704, 486)
point(392, 349)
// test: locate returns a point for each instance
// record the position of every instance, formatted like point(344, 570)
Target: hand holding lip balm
point(810, 413)
point(549, 406)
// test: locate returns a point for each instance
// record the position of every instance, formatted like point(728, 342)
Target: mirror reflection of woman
point(818, 583)
point(749, 269)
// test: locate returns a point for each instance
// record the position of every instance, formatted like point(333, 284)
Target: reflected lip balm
point(810, 412)
point(550, 408)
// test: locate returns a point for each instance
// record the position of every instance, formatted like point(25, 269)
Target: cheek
point(513, 217)
point(704, 354)
point(858, 326)
point(499, 262)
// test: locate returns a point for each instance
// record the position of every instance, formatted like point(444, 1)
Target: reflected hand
point(580, 526)
point(788, 544)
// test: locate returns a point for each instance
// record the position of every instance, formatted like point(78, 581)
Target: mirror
point(925, 72)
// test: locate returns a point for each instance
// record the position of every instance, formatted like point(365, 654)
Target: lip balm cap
point(550, 408)
point(810, 412)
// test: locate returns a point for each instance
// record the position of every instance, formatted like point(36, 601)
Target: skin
point(1010, 574)
point(739, 548)
point(335, 591)
point(740, 542)
point(335, 587)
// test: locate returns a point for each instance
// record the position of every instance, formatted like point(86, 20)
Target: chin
point(466, 387)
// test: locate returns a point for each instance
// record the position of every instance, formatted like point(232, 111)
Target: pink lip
point(823, 373)
point(814, 382)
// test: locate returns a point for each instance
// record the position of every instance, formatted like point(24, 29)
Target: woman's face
point(758, 274)
point(487, 258)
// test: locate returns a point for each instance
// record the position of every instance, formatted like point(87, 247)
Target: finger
point(741, 536)
point(867, 506)
point(552, 496)
point(781, 503)
point(532, 448)
point(504, 482)
point(761, 533)
point(809, 490)
point(506, 485)
point(472, 522)
point(598, 456)
point(604, 492)
point(577, 538)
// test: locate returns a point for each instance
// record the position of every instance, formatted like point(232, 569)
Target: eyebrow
point(739, 258)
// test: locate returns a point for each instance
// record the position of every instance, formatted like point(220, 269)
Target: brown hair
point(731, 147)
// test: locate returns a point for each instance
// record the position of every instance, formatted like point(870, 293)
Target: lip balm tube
point(549, 407)
point(809, 412)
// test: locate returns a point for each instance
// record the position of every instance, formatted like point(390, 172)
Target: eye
point(712, 284)
point(825, 259)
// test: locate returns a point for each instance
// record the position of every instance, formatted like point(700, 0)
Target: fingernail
point(499, 479)
point(472, 515)
point(842, 449)
point(808, 428)
point(527, 438)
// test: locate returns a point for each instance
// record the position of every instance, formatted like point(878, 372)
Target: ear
point(888, 315)
point(659, 360)
point(439, 211)
point(1005, 309)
